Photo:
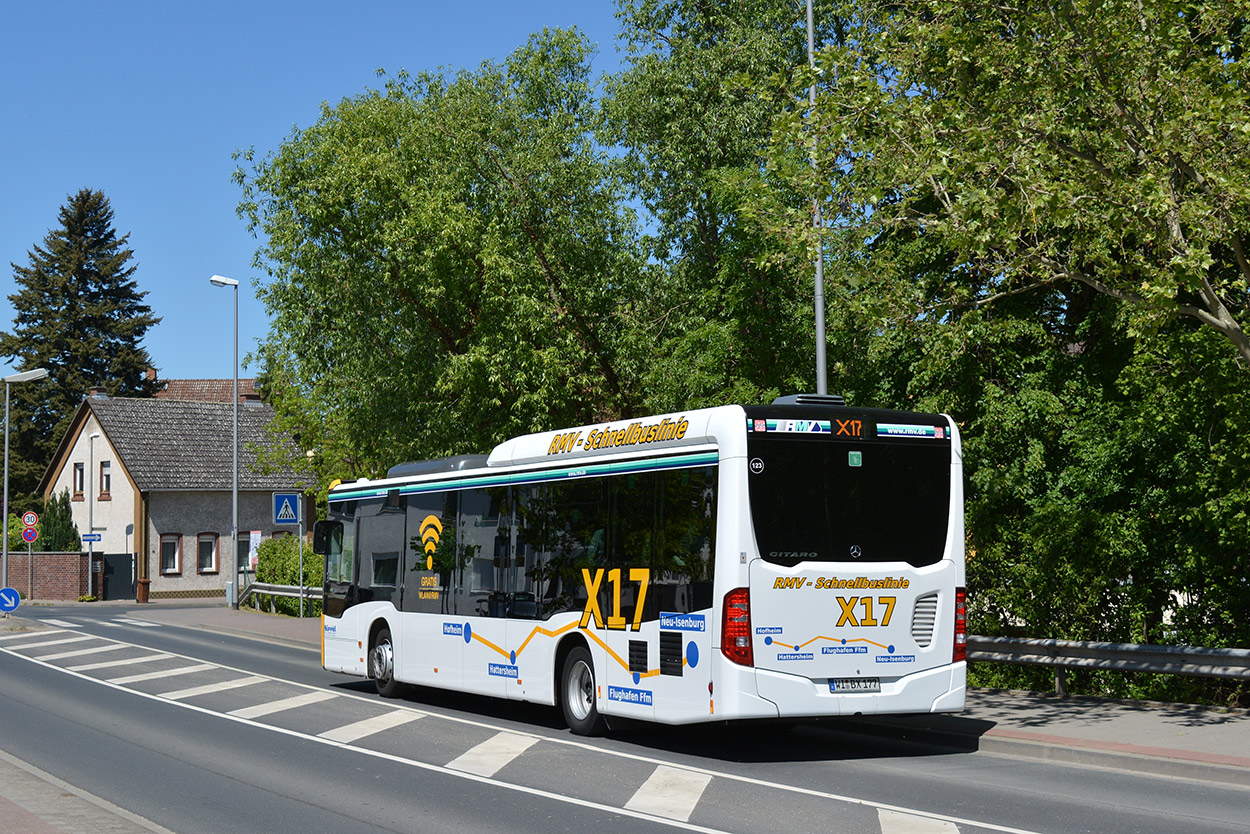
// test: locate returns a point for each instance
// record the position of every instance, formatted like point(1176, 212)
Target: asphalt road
point(261, 738)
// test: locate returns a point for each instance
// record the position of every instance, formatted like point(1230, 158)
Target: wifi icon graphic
point(431, 529)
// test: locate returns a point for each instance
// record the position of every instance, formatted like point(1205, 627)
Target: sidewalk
point(1161, 739)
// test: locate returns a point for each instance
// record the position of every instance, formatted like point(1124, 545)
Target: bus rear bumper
point(933, 690)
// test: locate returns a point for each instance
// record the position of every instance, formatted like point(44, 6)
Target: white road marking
point(139, 623)
point(489, 757)
point(670, 792)
point(892, 822)
point(58, 642)
point(26, 635)
point(210, 688)
point(164, 673)
point(330, 738)
point(283, 705)
point(359, 729)
point(60, 623)
point(111, 647)
point(126, 661)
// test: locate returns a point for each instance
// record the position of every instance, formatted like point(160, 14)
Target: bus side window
point(381, 543)
point(484, 551)
point(430, 570)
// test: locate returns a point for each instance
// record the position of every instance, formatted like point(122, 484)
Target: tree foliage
point(1099, 143)
point(693, 111)
point(57, 531)
point(79, 313)
point(451, 262)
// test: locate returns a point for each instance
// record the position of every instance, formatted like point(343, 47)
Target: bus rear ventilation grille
point(924, 619)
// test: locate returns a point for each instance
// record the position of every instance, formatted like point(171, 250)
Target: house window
point(206, 553)
point(79, 470)
point(171, 554)
point(106, 478)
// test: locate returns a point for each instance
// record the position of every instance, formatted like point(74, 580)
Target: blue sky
point(146, 101)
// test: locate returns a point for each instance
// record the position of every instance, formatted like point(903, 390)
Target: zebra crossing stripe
point(112, 647)
point(670, 792)
point(210, 688)
point(489, 757)
point(57, 642)
point(126, 661)
point(26, 635)
point(893, 822)
point(283, 705)
point(164, 673)
point(359, 729)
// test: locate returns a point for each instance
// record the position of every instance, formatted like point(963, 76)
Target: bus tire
point(382, 665)
point(577, 694)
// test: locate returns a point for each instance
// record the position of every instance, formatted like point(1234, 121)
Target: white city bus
point(798, 559)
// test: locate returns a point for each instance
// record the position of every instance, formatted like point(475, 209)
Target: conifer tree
point(79, 313)
point(57, 531)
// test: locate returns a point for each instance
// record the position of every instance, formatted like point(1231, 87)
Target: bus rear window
point(813, 500)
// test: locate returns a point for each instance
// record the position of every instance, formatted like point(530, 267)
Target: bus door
point(484, 541)
point(335, 541)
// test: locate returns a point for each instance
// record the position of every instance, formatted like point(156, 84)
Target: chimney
point(98, 392)
point(150, 374)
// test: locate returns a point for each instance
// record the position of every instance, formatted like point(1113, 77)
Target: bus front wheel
point(578, 694)
point(382, 665)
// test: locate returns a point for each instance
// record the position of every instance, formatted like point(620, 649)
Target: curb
point(1062, 749)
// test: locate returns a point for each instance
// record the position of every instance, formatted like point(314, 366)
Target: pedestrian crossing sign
point(286, 508)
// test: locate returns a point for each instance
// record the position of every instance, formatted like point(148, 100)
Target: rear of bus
point(855, 600)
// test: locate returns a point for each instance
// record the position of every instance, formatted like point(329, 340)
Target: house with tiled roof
point(153, 477)
point(206, 390)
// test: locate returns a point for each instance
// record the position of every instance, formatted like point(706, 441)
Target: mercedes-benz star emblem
point(856, 552)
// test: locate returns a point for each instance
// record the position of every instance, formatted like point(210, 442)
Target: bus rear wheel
point(577, 694)
point(382, 665)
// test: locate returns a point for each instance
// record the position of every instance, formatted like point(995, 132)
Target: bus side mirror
point(325, 532)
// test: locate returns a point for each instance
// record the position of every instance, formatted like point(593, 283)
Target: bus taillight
point(961, 625)
point(736, 627)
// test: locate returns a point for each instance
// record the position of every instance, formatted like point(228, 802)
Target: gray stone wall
point(188, 514)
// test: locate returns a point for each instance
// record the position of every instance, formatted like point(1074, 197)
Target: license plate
point(841, 685)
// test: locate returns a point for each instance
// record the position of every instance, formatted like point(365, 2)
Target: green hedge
point(278, 564)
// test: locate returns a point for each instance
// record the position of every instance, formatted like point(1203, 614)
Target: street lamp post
point(222, 281)
point(25, 376)
point(91, 488)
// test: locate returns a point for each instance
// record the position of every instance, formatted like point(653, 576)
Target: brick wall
point(49, 576)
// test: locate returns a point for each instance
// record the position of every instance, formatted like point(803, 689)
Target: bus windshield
point(818, 499)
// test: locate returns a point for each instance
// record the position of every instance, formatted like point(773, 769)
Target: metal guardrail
point(1194, 661)
point(255, 589)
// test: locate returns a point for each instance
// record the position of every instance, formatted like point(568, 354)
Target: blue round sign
point(10, 599)
point(30, 534)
